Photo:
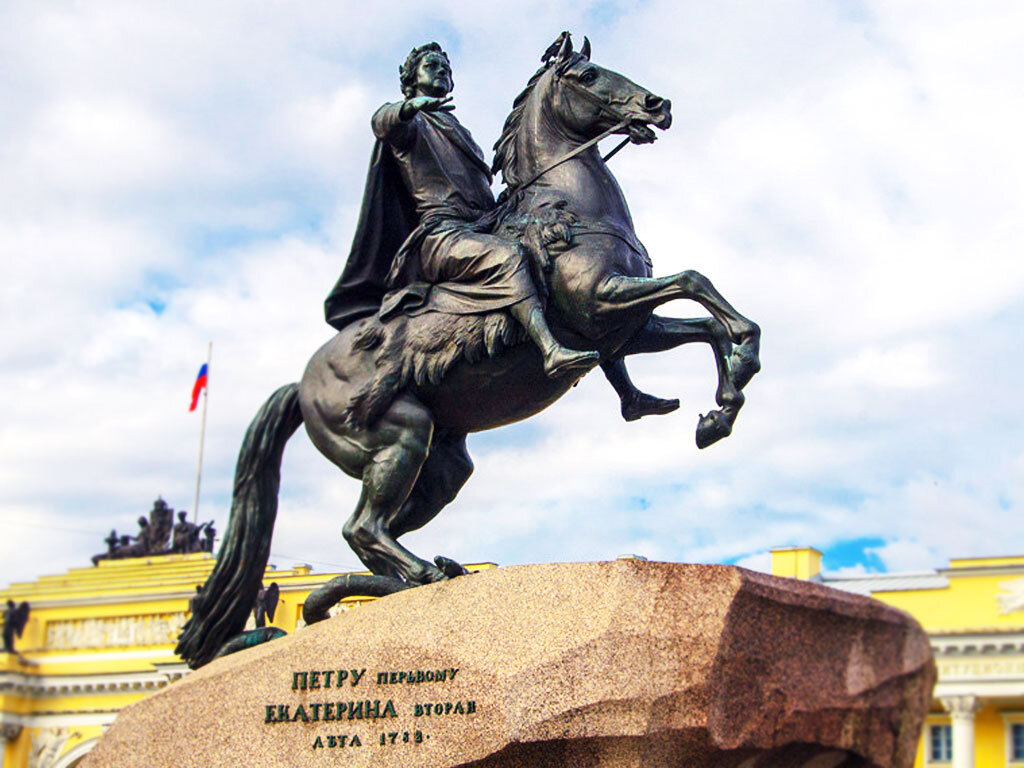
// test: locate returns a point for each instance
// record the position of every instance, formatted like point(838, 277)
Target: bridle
point(604, 106)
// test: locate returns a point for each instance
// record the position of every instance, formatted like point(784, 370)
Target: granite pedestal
point(615, 664)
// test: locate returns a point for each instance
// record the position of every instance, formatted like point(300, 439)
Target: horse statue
point(392, 401)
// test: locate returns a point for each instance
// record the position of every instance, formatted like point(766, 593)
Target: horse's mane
point(505, 156)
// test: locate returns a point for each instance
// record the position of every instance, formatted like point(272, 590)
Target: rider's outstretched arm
point(390, 127)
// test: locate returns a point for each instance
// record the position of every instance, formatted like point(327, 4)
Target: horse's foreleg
point(619, 293)
point(664, 333)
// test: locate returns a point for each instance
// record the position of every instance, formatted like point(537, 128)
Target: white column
point(961, 710)
point(8, 732)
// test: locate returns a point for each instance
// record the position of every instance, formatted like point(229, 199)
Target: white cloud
point(849, 572)
point(905, 555)
point(759, 561)
point(851, 181)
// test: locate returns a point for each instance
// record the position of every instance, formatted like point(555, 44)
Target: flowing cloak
point(387, 218)
point(451, 193)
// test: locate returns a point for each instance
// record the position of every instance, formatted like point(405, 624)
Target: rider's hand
point(426, 104)
point(533, 239)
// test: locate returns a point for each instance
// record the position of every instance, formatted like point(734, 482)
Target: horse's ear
point(585, 50)
point(559, 49)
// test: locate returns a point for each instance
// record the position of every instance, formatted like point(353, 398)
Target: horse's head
point(571, 98)
point(587, 99)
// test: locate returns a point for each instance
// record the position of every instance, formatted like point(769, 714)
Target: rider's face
point(433, 76)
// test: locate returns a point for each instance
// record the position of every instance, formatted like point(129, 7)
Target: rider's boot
point(634, 403)
point(558, 360)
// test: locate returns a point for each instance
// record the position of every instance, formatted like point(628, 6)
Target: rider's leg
point(491, 272)
point(558, 360)
point(634, 403)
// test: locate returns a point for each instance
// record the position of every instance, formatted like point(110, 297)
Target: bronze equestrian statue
point(438, 326)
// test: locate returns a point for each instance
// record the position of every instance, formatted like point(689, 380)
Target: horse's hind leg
point(620, 293)
point(442, 476)
point(664, 333)
point(398, 449)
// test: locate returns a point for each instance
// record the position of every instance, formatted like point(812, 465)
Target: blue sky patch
point(853, 552)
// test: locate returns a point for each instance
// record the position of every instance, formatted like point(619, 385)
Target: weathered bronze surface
point(266, 604)
point(457, 313)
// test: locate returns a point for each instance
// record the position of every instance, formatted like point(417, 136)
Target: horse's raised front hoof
point(730, 398)
point(647, 405)
point(744, 362)
point(449, 567)
point(711, 428)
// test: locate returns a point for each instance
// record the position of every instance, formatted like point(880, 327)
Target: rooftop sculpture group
point(458, 313)
point(160, 535)
point(15, 621)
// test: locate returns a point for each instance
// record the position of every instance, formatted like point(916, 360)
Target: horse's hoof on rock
point(743, 364)
point(449, 567)
point(249, 639)
point(712, 428)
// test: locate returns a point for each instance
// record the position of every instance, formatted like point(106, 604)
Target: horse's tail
point(220, 609)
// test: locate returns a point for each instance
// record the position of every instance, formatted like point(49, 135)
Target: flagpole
point(202, 434)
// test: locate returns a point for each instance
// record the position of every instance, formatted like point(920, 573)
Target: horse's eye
point(588, 76)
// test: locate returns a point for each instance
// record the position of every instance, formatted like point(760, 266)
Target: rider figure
point(441, 173)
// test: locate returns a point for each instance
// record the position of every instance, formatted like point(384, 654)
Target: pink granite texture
point(585, 665)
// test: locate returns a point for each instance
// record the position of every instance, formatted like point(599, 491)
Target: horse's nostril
point(653, 102)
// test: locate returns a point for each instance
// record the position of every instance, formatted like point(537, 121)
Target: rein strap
point(607, 108)
point(580, 149)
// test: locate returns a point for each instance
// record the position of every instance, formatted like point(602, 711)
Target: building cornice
point(982, 570)
point(180, 594)
point(102, 717)
point(38, 686)
point(989, 643)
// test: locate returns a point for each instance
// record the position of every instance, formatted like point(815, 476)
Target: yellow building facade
point(973, 612)
point(102, 637)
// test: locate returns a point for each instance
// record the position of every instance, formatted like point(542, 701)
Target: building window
point(940, 743)
point(1017, 742)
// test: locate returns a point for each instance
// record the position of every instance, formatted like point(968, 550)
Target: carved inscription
point(348, 697)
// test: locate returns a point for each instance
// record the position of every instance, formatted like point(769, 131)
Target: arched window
point(74, 756)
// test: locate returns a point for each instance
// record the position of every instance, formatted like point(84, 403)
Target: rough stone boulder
point(582, 665)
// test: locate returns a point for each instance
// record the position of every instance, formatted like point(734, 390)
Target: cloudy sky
point(849, 174)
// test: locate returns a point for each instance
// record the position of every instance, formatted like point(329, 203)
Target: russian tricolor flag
point(199, 386)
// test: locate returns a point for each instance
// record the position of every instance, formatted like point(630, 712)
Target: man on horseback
point(444, 188)
point(426, 227)
point(391, 403)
